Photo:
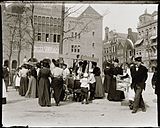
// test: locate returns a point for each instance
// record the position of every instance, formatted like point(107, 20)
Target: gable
point(90, 12)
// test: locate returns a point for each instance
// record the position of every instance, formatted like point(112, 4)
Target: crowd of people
point(49, 78)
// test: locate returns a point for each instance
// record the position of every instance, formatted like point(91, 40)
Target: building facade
point(47, 31)
point(119, 45)
point(146, 45)
point(82, 34)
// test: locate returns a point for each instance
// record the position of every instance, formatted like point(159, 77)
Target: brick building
point(119, 45)
point(146, 45)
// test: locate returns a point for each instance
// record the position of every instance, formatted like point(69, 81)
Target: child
point(92, 83)
point(84, 88)
point(17, 79)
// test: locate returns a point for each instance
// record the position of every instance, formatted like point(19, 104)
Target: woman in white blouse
point(57, 81)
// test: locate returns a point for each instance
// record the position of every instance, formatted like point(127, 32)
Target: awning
point(130, 43)
point(153, 37)
point(138, 42)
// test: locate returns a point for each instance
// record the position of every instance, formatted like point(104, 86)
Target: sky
point(120, 17)
point(117, 17)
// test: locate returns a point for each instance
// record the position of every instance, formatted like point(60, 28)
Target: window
point(51, 20)
point(47, 20)
point(59, 20)
point(59, 29)
point(93, 33)
point(75, 35)
point(92, 44)
point(139, 53)
point(43, 20)
point(72, 48)
point(55, 20)
point(39, 19)
point(79, 36)
point(75, 48)
point(55, 28)
point(78, 48)
point(130, 53)
point(58, 38)
point(47, 37)
point(35, 19)
point(92, 55)
point(54, 38)
point(39, 36)
point(72, 34)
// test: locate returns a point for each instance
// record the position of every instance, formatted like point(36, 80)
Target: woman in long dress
point(57, 82)
point(107, 78)
point(44, 97)
point(99, 90)
point(113, 94)
point(23, 81)
point(32, 86)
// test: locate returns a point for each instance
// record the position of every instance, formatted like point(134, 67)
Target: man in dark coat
point(139, 77)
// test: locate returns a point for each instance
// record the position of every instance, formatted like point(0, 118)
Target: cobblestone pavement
point(21, 111)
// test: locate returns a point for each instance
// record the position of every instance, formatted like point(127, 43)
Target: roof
point(90, 10)
point(129, 43)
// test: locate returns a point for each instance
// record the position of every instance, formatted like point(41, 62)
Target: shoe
point(134, 111)
point(82, 102)
point(87, 102)
point(143, 110)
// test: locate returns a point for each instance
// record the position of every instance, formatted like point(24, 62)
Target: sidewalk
point(21, 111)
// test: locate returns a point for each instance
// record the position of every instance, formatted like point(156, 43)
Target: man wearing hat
point(139, 77)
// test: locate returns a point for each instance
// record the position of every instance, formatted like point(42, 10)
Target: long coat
point(44, 87)
point(139, 77)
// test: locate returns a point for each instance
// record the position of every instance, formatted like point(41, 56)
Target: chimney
point(106, 33)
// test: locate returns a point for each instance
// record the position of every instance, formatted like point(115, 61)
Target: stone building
point(84, 38)
point(146, 45)
point(119, 45)
point(47, 31)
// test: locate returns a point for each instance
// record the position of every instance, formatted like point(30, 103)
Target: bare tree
point(31, 29)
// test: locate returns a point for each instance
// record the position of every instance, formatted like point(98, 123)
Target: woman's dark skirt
point(44, 97)
point(113, 94)
point(57, 85)
point(23, 86)
point(107, 81)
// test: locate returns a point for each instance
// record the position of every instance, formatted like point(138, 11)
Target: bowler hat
point(139, 59)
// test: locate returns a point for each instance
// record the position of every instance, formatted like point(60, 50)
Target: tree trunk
point(62, 29)
point(18, 58)
point(32, 51)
